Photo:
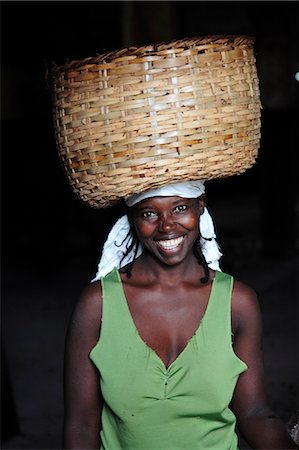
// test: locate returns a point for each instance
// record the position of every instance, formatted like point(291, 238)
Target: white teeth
point(171, 243)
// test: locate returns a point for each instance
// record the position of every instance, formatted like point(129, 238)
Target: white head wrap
point(119, 237)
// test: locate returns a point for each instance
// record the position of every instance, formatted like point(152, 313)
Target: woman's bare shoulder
point(245, 306)
point(91, 295)
point(87, 312)
point(243, 295)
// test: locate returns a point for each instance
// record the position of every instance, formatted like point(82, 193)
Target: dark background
point(51, 241)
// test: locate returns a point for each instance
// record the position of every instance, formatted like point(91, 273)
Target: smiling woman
point(163, 350)
point(154, 331)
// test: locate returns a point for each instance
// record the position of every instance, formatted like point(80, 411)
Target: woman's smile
point(171, 244)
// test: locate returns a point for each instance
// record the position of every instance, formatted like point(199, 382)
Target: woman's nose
point(166, 223)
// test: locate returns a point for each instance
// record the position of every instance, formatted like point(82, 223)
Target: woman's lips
point(170, 244)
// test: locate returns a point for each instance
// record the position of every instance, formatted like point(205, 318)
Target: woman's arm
point(255, 419)
point(82, 398)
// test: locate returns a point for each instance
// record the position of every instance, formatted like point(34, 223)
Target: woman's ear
point(202, 203)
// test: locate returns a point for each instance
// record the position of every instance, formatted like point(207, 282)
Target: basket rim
point(235, 40)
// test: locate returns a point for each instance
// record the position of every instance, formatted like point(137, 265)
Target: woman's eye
point(148, 214)
point(180, 208)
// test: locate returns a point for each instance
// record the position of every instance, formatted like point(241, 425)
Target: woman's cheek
point(144, 228)
point(190, 222)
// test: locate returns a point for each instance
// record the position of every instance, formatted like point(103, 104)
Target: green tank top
point(183, 407)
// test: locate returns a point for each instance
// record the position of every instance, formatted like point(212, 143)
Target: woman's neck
point(149, 267)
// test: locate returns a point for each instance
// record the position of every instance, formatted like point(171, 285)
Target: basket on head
point(137, 118)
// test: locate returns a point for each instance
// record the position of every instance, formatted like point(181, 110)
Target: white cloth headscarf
point(119, 237)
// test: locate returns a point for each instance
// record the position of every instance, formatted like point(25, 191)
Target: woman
point(164, 352)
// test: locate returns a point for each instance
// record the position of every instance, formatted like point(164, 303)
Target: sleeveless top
point(147, 406)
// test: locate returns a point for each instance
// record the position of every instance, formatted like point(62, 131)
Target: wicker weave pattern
point(137, 118)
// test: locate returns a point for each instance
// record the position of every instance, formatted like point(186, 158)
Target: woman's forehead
point(164, 201)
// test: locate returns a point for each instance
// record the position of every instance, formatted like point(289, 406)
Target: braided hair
point(133, 246)
point(197, 251)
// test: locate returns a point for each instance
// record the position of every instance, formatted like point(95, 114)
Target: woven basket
point(138, 118)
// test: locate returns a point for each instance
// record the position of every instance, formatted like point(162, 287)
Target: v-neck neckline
point(188, 342)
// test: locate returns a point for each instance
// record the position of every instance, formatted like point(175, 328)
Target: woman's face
point(167, 227)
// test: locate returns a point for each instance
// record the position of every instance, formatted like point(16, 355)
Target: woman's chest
point(166, 322)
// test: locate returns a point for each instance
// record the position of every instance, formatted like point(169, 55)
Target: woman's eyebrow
point(175, 202)
point(181, 200)
point(147, 206)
